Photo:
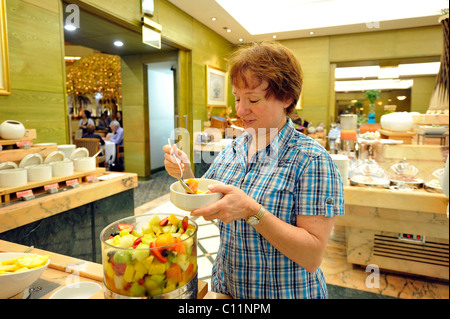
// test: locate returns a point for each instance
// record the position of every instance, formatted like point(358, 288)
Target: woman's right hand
point(171, 165)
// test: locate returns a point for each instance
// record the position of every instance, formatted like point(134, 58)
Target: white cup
point(84, 164)
point(13, 177)
point(37, 173)
point(62, 168)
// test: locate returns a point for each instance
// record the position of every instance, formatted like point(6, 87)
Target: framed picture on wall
point(4, 61)
point(216, 86)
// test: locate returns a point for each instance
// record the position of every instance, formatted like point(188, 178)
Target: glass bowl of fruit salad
point(150, 256)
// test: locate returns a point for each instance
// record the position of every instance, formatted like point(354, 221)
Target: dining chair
point(93, 146)
point(120, 153)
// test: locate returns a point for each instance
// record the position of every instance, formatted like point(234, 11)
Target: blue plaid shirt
point(293, 175)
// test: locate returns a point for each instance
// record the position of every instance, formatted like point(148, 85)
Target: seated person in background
point(90, 133)
point(104, 121)
point(117, 131)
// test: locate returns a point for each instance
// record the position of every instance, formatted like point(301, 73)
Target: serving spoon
point(182, 182)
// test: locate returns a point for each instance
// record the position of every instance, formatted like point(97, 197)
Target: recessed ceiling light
point(213, 19)
point(274, 36)
point(228, 30)
point(118, 43)
point(70, 27)
point(240, 39)
point(311, 32)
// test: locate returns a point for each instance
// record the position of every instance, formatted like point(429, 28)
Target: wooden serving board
point(8, 194)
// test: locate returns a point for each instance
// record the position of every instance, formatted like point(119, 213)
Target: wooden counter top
point(20, 213)
point(418, 200)
point(61, 267)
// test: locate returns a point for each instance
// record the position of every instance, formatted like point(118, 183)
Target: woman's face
point(256, 111)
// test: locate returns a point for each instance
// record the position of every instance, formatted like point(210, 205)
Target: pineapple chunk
point(129, 273)
point(173, 220)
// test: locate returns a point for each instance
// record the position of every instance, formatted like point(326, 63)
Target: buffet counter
point(64, 270)
point(55, 221)
point(405, 231)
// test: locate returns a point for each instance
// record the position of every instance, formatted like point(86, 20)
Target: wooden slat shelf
point(30, 135)
point(8, 194)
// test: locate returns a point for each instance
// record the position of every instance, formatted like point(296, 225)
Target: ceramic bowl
point(189, 202)
point(67, 149)
point(84, 164)
point(397, 121)
point(434, 130)
point(38, 173)
point(15, 283)
point(8, 165)
point(62, 168)
point(79, 290)
point(13, 177)
point(31, 159)
point(12, 130)
point(55, 156)
point(79, 152)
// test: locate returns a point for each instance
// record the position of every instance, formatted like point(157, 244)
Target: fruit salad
point(147, 256)
point(193, 185)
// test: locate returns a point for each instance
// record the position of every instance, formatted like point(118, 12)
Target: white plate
point(369, 180)
point(8, 165)
point(55, 156)
point(79, 152)
point(79, 290)
point(434, 130)
point(31, 159)
point(417, 181)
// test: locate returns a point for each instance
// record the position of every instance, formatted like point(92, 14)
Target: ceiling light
point(401, 97)
point(118, 43)
point(287, 15)
point(274, 36)
point(388, 72)
point(311, 32)
point(410, 69)
point(240, 39)
point(228, 30)
point(72, 58)
point(344, 86)
point(213, 19)
point(430, 68)
point(70, 27)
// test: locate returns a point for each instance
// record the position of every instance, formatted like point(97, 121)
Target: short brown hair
point(90, 128)
point(272, 62)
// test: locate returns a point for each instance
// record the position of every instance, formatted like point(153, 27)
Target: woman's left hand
point(234, 205)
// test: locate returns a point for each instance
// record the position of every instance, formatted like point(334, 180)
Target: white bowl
point(12, 130)
point(31, 159)
point(397, 121)
point(79, 152)
point(84, 164)
point(189, 202)
point(8, 165)
point(13, 284)
point(67, 149)
point(55, 157)
point(79, 290)
point(38, 173)
point(434, 130)
point(62, 168)
point(13, 177)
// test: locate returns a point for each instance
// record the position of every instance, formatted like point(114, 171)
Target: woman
point(282, 189)
point(85, 121)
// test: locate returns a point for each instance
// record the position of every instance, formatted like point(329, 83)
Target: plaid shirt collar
point(281, 140)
